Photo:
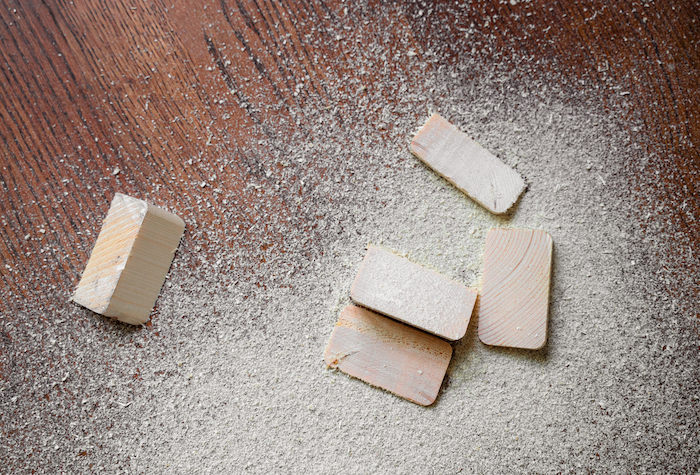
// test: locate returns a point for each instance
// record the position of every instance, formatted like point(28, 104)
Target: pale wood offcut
point(467, 165)
point(514, 301)
point(384, 353)
point(396, 287)
point(130, 260)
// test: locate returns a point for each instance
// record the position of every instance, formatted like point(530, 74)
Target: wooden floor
point(193, 105)
point(167, 93)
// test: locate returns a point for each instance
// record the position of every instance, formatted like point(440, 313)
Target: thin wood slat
point(130, 260)
point(412, 294)
point(388, 354)
point(514, 302)
point(467, 165)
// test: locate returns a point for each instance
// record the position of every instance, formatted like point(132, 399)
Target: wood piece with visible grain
point(467, 165)
point(388, 354)
point(514, 302)
point(130, 260)
point(412, 294)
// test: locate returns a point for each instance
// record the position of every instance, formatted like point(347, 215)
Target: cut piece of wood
point(130, 260)
point(398, 288)
point(388, 354)
point(467, 165)
point(514, 302)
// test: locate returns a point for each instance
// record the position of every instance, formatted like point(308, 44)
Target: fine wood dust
point(229, 375)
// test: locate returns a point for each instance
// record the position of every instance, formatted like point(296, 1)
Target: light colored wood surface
point(514, 303)
point(401, 289)
point(130, 260)
point(467, 165)
point(388, 354)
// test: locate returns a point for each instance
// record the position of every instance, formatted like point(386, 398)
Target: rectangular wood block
point(467, 165)
point(514, 303)
point(398, 288)
point(388, 354)
point(130, 260)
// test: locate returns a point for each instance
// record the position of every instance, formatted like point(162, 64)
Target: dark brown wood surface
point(194, 105)
point(88, 87)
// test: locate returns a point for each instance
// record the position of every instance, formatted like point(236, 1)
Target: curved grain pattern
point(637, 61)
point(514, 303)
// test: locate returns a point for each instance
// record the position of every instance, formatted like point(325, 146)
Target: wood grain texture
point(514, 300)
point(131, 258)
point(387, 354)
point(180, 93)
point(396, 287)
point(173, 94)
point(467, 165)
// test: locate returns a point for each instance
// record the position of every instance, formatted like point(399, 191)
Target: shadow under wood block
point(467, 165)
point(388, 354)
point(400, 289)
point(130, 260)
point(514, 302)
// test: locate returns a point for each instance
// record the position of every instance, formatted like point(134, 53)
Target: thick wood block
point(398, 288)
point(388, 354)
point(130, 260)
point(514, 303)
point(467, 165)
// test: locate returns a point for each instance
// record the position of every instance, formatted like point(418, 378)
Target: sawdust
point(229, 375)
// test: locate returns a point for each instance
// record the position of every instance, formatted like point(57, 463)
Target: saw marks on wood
point(514, 302)
point(398, 288)
point(130, 260)
point(467, 165)
point(388, 354)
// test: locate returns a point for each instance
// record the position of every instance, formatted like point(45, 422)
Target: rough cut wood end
point(467, 165)
point(514, 302)
point(130, 260)
point(398, 288)
point(388, 354)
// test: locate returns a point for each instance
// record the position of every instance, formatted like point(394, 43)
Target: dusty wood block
point(388, 354)
point(467, 165)
point(130, 260)
point(398, 288)
point(514, 302)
